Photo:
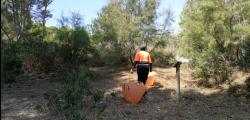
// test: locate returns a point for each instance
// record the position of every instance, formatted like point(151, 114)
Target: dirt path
point(24, 100)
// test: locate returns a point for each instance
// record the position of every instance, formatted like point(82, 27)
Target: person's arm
point(150, 65)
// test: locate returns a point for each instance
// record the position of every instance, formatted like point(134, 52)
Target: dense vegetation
point(215, 35)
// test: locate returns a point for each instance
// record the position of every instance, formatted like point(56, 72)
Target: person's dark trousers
point(142, 72)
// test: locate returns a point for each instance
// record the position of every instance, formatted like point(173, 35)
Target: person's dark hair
point(143, 47)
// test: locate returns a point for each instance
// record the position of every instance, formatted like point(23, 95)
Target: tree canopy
point(215, 34)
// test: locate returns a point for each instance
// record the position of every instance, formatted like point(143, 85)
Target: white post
point(177, 65)
point(178, 83)
point(179, 60)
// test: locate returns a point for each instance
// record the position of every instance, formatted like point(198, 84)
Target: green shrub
point(98, 95)
point(75, 44)
point(75, 115)
point(84, 72)
point(114, 94)
point(11, 63)
point(72, 95)
point(112, 57)
point(244, 56)
point(75, 87)
point(54, 98)
point(211, 65)
point(163, 58)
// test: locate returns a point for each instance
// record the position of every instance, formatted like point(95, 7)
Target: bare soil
point(24, 99)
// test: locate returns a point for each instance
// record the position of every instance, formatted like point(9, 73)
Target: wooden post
point(177, 65)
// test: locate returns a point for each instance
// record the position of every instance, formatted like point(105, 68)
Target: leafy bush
point(211, 65)
point(72, 91)
point(38, 56)
point(72, 95)
point(76, 86)
point(244, 58)
point(207, 40)
point(98, 95)
point(162, 57)
point(75, 44)
point(11, 63)
point(111, 58)
point(75, 115)
point(54, 98)
point(84, 75)
point(57, 105)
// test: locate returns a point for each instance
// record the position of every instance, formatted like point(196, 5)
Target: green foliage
point(122, 26)
point(57, 105)
point(72, 95)
point(69, 100)
point(112, 57)
point(110, 32)
point(34, 33)
point(76, 85)
point(16, 19)
point(26, 56)
point(50, 35)
point(75, 43)
point(98, 95)
point(9, 56)
point(214, 37)
point(38, 56)
point(244, 60)
point(211, 65)
point(81, 44)
point(54, 100)
point(42, 13)
point(11, 63)
point(114, 94)
point(75, 115)
point(30, 46)
point(163, 57)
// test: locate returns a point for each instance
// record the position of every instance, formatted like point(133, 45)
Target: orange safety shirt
point(143, 56)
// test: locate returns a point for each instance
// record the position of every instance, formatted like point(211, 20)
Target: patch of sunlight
point(239, 77)
point(207, 91)
point(172, 87)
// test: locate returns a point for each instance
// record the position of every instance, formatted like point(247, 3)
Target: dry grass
point(160, 101)
point(24, 100)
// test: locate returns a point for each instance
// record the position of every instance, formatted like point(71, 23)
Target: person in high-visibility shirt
point(143, 63)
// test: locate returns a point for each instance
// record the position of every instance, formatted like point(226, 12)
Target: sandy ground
point(24, 99)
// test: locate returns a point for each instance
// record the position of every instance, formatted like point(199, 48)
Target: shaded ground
point(24, 99)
